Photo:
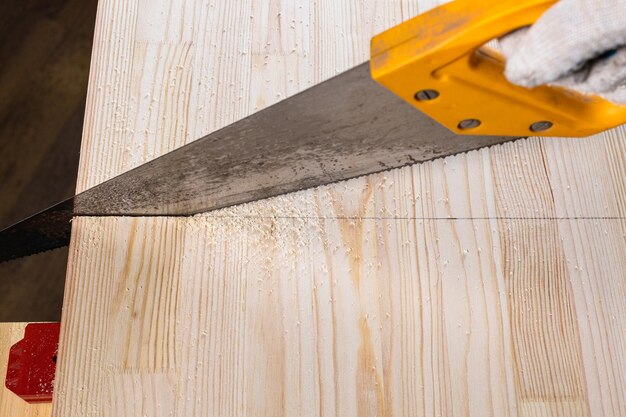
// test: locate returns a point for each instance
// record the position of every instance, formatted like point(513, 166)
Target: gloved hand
point(578, 44)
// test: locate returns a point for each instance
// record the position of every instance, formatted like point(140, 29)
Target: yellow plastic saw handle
point(437, 62)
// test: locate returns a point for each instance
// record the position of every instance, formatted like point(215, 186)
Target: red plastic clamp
point(32, 363)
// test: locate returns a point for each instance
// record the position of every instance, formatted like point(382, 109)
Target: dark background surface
point(45, 50)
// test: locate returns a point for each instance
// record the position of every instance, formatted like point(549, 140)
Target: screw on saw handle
point(437, 62)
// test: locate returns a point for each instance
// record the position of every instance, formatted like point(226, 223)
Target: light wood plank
point(485, 284)
point(11, 404)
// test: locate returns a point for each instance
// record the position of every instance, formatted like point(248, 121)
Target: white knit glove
point(570, 45)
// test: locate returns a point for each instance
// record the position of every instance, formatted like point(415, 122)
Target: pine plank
point(489, 283)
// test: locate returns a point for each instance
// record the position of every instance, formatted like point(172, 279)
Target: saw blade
point(345, 127)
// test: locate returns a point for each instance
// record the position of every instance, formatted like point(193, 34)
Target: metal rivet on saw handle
point(468, 124)
point(425, 95)
point(540, 126)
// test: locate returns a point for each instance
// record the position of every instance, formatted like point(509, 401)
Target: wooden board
point(486, 284)
point(10, 404)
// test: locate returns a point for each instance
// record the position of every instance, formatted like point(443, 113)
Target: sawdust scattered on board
point(280, 233)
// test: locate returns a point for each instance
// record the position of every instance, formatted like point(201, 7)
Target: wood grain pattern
point(486, 284)
point(11, 404)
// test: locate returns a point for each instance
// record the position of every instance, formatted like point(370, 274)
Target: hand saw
point(430, 90)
